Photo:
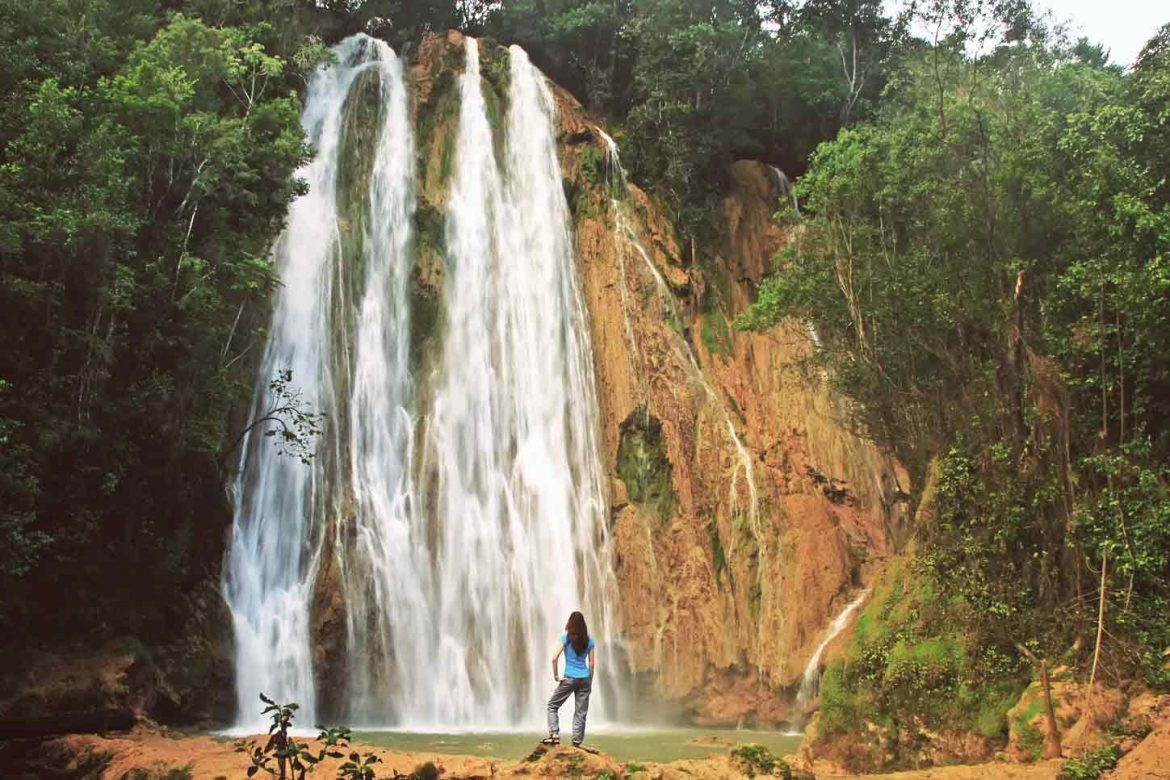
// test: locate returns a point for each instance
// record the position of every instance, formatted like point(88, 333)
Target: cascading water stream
point(787, 191)
point(811, 680)
point(511, 442)
point(626, 236)
point(381, 544)
point(456, 572)
point(282, 504)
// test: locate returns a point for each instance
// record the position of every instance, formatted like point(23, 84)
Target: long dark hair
point(577, 632)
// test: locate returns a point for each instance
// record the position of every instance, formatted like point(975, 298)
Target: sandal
point(551, 739)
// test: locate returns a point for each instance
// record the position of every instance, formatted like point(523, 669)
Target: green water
point(657, 745)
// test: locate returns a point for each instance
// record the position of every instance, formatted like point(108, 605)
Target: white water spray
point(282, 504)
point(511, 446)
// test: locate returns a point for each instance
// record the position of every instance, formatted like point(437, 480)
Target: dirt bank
point(149, 753)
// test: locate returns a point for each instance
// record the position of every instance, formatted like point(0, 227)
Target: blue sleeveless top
point(576, 666)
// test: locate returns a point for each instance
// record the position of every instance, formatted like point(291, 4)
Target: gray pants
point(580, 689)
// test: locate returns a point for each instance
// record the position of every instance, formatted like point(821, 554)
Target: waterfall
point(511, 444)
point(787, 191)
point(382, 545)
point(282, 504)
point(811, 680)
point(458, 567)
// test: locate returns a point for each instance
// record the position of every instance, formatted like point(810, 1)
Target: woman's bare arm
point(591, 662)
point(557, 655)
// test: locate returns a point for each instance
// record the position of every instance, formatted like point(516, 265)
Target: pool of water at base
point(636, 744)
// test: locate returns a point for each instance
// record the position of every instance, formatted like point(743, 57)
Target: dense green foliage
point(146, 163)
point(985, 265)
point(697, 84)
point(907, 668)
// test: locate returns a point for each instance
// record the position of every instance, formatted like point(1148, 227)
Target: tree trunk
point(1100, 631)
point(1052, 737)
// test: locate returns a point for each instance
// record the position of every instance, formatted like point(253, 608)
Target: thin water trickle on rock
point(626, 237)
point(810, 682)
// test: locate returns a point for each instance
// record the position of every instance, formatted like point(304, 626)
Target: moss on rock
point(361, 123)
point(642, 463)
point(426, 283)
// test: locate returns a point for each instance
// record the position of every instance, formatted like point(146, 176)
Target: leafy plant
point(1092, 765)
point(295, 426)
point(753, 759)
point(358, 767)
point(294, 759)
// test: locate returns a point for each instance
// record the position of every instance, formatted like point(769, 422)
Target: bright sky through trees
point(1122, 26)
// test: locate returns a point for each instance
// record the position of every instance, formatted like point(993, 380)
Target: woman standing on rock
point(577, 645)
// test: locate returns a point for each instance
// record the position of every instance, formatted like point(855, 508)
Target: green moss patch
point(362, 118)
point(642, 463)
point(911, 666)
point(716, 333)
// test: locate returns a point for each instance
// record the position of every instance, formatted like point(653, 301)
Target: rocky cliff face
point(744, 513)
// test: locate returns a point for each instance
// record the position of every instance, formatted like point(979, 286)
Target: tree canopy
point(147, 163)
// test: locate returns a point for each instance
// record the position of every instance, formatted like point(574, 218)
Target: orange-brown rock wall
point(727, 637)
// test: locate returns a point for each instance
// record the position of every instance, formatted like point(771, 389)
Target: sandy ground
point(1150, 760)
point(1046, 770)
point(211, 758)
